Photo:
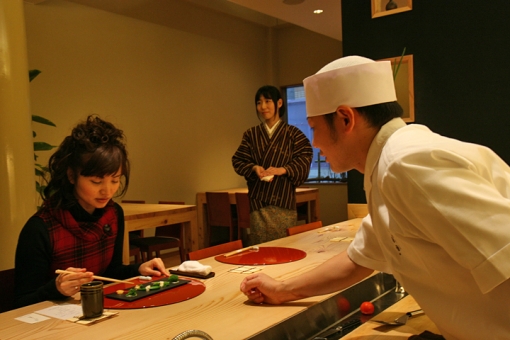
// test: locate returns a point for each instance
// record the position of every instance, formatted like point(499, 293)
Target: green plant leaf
point(395, 72)
point(43, 168)
point(39, 188)
point(42, 146)
point(42, 120)
point(32, 74)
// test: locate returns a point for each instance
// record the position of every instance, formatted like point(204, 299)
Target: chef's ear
point(347, 117)
point(279, 103)
point(70, 175)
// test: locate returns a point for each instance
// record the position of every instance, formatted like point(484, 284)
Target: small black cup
point(92, 300)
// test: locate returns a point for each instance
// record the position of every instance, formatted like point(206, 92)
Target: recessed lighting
point(318, 11)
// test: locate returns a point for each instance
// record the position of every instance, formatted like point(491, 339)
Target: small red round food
point(367, 308)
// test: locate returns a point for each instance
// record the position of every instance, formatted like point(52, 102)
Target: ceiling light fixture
point(318, 11)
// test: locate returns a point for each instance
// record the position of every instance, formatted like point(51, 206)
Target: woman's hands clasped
point(261, 172)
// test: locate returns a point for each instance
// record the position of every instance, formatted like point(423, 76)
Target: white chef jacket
point(439, 221)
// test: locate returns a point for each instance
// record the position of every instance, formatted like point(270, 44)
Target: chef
point(439, 208)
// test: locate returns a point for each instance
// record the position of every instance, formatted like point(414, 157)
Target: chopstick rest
point(60, 271)
point(256, 248)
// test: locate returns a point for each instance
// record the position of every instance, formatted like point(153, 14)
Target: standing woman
point(277, 149)
point(78, 228)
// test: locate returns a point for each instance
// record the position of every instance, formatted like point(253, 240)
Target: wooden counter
point(303, 195)
point(222, 310)
point(415, 325)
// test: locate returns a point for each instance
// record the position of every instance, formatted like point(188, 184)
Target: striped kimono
point(273, 204)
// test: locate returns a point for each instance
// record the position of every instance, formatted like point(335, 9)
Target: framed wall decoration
point(387, 7)
point(404, 84)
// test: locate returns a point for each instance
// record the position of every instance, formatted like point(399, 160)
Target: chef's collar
point(374, 152)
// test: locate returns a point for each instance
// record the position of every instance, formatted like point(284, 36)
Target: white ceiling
point(264, 12)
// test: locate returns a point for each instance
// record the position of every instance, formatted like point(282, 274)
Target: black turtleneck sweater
point(34, 256)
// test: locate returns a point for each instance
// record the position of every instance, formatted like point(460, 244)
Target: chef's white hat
point(352, 81)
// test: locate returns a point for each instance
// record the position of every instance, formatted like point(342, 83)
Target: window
point(296, 115)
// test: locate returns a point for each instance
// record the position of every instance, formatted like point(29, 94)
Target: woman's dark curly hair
point(94, 148)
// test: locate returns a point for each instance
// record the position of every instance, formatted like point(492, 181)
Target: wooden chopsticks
point(60, 271)
point(241, 250)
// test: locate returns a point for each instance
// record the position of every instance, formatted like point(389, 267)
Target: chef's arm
point(336, 274)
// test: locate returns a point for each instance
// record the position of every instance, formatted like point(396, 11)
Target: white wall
point(182, 99)
point(182, 91)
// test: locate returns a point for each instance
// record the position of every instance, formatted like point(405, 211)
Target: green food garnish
point(131, 292)
point(142, 287)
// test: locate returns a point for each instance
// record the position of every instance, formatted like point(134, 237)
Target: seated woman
point(79, 227)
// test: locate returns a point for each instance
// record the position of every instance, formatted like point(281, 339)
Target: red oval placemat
point(265, 255)
point(185, 292)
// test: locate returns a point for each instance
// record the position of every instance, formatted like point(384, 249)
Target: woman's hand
point(154, 267)
point(69, 284)
point(275, 171)
point(261, 172)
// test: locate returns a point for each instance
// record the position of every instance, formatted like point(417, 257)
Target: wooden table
point(415, 325)
point(309, 195)
point(145, 216)
point(222, 310)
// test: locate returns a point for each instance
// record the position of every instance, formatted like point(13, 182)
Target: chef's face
point(330, 142)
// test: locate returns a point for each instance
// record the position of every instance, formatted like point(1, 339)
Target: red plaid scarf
point(81, 244)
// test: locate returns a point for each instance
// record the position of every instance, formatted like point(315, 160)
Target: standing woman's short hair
point(94, 148)
point(271, 92)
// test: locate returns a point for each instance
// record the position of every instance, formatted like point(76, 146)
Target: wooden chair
point(135, 252)
point(7, 295)
point(355, 210)
point(215, 250)
point(302, 210)
point(219, 213)
point(304, 227)
point(243, 213)
point(166, 237)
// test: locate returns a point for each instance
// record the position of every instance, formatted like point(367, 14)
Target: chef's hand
point(261, 288)
point(69, 284)
point(154, 267)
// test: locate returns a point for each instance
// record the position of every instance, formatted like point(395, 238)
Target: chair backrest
point(243, 210)
point(355, 210)
point(219, 213)
point(172, 230)
point(7, 295)
point(133, 201)
point(215, 250)
point(304, 227)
